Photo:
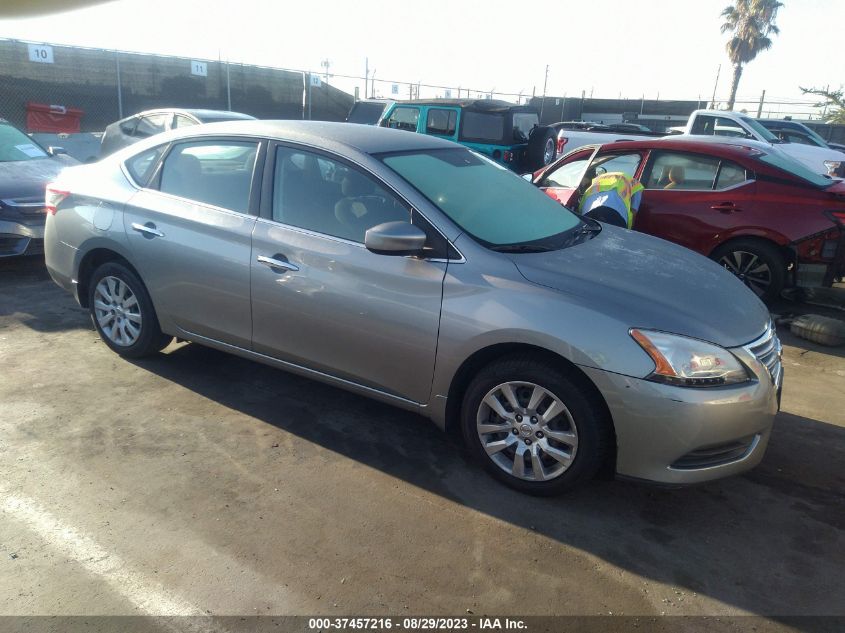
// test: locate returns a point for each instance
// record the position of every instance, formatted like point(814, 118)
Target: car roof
point(198, 113)
point(718, 145)
point(483, 105)
point(324, 134)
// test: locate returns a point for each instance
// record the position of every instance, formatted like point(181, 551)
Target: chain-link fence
point(108, 85)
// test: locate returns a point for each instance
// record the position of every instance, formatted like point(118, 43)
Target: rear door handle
point(148, 230)
point(277, 262)
point(726, 207)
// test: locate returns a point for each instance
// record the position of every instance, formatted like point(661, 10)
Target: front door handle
point(276, 262)
point(726, 207)
point(147, 230)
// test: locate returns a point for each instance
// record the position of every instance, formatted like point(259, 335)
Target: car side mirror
point(55, 151)
point(395, 238)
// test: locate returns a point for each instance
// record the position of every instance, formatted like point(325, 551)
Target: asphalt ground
point(197, 483)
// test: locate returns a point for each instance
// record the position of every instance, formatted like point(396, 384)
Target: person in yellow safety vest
point(613, 198)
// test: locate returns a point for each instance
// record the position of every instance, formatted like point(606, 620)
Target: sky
point(669, 49)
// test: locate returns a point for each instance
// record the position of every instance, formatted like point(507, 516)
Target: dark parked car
point(25, 170)
point(796, 132)
point(760, 214)
point(144, 124)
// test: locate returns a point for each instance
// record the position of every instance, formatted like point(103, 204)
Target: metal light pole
point(715, 85)
point(543, 102)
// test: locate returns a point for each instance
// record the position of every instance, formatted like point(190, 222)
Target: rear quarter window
point(482, 126)
point(141, 166)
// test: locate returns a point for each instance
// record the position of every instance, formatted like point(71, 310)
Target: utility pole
point(228, 87)
point(373, 86)
point(309, 96)
point(543, 102)
point(760, 107)
point(366, 76)
point(715, 85)
point(119, 92)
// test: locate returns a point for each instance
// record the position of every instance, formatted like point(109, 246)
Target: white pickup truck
point(828, 162)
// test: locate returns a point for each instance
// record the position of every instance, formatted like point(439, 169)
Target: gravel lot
point(197, 482)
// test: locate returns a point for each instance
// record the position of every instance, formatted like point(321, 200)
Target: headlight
point(688, 362)
point(832, 166)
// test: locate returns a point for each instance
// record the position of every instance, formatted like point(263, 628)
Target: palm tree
point(750, 23)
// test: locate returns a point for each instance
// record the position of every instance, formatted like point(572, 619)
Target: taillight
point(54, 198)
point(837, 216)
point(561, 143)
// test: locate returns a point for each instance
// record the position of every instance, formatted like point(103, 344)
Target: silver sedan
point(409, 269)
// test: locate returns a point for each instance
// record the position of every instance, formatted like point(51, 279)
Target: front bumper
point(17, 238)
point(676, 435)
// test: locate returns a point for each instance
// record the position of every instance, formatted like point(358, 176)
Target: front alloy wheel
point(536, 424)
point(527, 431)
point(751, 270)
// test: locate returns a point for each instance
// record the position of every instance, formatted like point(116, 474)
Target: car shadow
point(762, 542)
point(27, 292)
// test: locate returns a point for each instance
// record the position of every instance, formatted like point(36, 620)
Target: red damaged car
point(764, 217)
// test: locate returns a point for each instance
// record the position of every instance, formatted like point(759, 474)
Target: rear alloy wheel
point(533, 427)
point(123, 313)
point(759, 265)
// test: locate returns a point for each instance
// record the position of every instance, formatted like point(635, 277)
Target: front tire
point(757, 264)
point(123, 313)
point(533, 427)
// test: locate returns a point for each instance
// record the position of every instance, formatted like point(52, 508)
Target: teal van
point(509, 134)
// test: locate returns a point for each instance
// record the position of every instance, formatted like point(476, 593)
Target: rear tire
point(758, 264)
point(534, 427)
point(123, 313)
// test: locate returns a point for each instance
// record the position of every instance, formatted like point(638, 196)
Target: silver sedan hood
point(650, 283)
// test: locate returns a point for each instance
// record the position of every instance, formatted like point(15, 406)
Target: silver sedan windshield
point(491, 203)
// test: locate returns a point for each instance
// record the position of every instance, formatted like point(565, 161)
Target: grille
point(716, 455)
point(767, 349)
point(25, 206)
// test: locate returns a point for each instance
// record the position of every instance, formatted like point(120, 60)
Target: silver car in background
point(408, 269)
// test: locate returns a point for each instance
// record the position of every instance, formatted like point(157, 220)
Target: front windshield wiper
point(589, 226)
point(521, 248)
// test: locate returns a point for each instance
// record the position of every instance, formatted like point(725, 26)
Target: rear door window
point(441, 122)
point(217, 173)
point(180, 120)
point(731, 175)
point(152, 124)
point(403, 118)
